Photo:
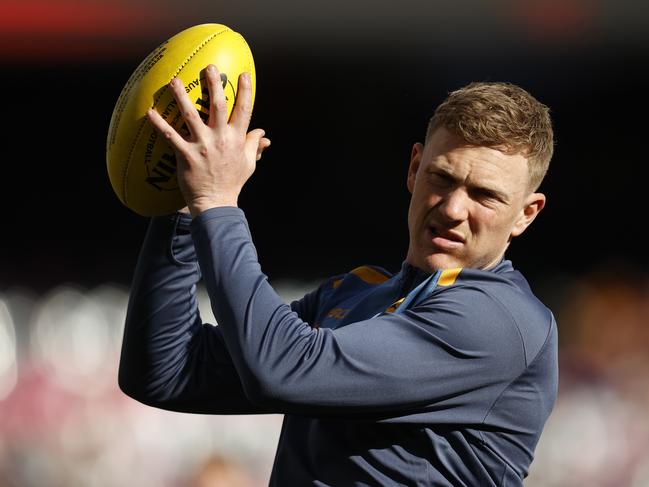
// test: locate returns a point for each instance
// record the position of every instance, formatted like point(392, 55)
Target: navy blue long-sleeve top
point(407, 379)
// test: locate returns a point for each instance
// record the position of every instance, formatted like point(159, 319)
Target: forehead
point(475, 165)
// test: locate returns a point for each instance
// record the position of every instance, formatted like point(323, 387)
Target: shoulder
point(358, 279)
point(498, 299)
point(361, 277)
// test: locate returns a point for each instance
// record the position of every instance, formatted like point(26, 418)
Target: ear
point(534, 203)
point(415, 160)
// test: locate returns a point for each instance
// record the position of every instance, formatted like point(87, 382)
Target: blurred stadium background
point(344, 89)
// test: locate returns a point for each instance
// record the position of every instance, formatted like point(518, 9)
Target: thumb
point(264, 143)
point(253, 139)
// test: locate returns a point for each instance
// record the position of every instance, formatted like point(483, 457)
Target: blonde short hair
point(500, 115)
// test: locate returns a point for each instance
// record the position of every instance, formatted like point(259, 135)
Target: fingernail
point(246, 77)
point(211, 68)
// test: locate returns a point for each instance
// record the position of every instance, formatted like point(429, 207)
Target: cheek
point(424, 199)
point(415, 213)
point(417, 204)
point(485, 222)
point(494, 225)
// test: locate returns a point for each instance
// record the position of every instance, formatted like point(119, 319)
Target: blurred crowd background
point(344, 89)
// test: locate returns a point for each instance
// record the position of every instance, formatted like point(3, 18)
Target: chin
point(433, 262)
point(442, 261)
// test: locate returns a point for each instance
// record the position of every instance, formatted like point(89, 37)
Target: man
point(443, 374)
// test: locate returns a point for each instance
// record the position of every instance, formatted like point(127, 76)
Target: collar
point(410, 276)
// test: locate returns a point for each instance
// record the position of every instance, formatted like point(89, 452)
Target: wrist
point(200, 205)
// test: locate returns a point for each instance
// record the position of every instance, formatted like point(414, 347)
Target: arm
point(169, 358)
point(459, 347)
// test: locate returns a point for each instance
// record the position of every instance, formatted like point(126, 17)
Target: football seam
point(141, 127)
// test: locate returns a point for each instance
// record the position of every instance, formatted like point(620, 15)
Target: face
point(467, 203)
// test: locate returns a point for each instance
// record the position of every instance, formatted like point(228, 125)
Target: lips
point(444, 239)
point(446, 234)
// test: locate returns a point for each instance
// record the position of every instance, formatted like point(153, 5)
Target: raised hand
point(218, 157)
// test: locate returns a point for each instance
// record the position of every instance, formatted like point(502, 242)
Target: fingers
point(242, 111)
point(166, 130)
point(218, 125)
point(218, 103)
point(187, 109)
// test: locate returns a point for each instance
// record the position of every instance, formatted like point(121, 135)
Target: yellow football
point(141, 164)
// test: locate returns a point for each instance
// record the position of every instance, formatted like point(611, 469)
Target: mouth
point(445, 239)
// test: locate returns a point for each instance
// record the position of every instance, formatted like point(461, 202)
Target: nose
point(454, 206)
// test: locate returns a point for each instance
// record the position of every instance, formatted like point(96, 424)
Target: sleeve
point(169, 358)
point(454, 353)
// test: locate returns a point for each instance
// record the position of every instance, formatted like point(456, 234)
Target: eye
point(486, 197)
point(440, 180)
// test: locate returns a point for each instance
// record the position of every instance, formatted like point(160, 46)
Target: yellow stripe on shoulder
point(449, 276)
point(370, 275)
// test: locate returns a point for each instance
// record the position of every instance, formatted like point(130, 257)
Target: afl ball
point(141, 164)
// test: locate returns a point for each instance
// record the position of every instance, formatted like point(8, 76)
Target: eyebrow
point(485, 189)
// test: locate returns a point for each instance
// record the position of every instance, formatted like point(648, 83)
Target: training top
point(414, 379)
